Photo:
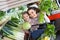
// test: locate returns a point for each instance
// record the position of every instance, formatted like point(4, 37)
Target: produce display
point(12, 22)
point(47, 6)
point(15, 22)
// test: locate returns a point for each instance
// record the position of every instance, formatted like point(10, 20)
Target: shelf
point(14, 3)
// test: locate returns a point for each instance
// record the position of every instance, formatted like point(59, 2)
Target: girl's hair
point(34, 8)
point(25, 13)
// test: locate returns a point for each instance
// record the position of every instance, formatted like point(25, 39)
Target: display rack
point(8, 4)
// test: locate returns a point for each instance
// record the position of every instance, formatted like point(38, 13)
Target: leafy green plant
point(41, 18)
point(26, 25)
point(49, 32)
point(14, 24)
point(2, 14)
point(48, 6)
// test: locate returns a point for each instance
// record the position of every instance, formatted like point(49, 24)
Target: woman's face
point(26, 17)
point(32, 13)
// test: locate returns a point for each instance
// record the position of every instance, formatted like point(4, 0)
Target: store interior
point(30, 20)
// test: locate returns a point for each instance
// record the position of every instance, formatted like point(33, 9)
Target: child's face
point(26, 17)
point(32, 13)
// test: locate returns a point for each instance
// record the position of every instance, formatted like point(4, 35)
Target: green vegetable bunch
point(45, 5)
point(14, 24)
point(49, 32)
point(2, 13)
point(41, 18)
point(26, 25)
point(48, 6)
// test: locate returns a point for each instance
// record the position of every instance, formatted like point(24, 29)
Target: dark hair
point(30, 4)
point(37, 3)
point(24, 12)
point(34, 8)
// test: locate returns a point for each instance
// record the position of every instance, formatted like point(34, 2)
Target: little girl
point(26, 19)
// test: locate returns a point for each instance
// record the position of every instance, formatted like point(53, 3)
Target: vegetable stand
point(12, 22)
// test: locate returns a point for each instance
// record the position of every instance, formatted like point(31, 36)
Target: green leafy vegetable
point(14, 25)
point(46, 5)
point(26, 25)
point(41, 18)
point(2, 14)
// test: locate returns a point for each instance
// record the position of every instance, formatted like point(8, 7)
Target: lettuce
point(26, 25)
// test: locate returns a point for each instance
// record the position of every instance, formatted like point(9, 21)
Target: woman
point(34, 31)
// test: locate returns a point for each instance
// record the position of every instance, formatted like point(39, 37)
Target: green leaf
point(26, 25)
point(41, 18)
point(2, 14)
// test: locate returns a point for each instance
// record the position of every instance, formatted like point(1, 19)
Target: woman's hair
point(34, 8)
point(37, 3)
point(30, 4)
